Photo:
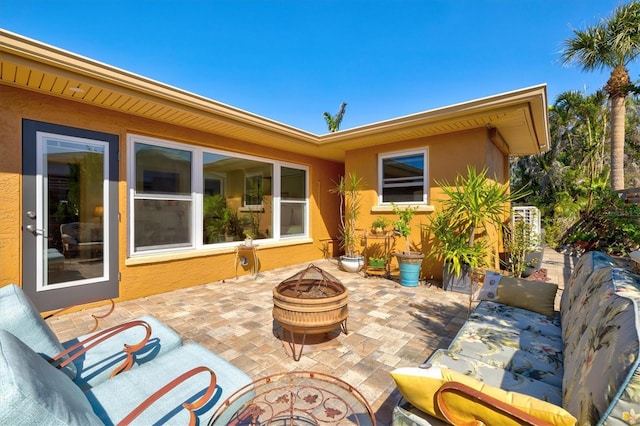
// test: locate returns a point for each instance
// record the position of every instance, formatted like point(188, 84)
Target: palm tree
point(612, 44)
point(333, 122)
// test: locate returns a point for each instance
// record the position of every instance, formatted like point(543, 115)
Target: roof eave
point(530, 102)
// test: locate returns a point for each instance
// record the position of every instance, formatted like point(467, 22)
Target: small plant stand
point(247, 255)
point(372, 238)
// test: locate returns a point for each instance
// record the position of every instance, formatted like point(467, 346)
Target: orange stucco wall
point(448, 155)
point(164, 273)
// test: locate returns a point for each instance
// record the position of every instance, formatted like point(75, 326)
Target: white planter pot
point(352, 264)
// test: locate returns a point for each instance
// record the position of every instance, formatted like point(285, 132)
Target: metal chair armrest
point(481, 398)
point(169, 386)
point(96, 318)
point(83, 346)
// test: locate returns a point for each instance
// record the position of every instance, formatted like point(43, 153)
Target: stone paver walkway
point(389, 326)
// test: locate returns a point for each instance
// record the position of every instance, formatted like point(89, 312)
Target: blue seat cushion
point(497, 376)
point(20, 317)
point(35, 393)
point(534, 350)
point(114, 399)
point(95, 365)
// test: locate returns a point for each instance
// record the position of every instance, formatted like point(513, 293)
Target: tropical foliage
point(519, 242)
point(402, 226)
point(611, 44)
point(475, 205)
point(349, 190)
point(570, 182)
point(334, 121)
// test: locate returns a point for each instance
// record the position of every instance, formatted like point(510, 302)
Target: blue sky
point(292, 60)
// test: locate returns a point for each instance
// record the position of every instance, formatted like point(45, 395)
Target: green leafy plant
point(376, 262)
point(474, 205)
point(402, 226)
point(213, 219)
point(452, 246)
point(379, 224)
point(334, 121)
point(519, 241)
point(232, 224)
point(348, 189)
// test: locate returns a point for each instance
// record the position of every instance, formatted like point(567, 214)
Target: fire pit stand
point(310, 302)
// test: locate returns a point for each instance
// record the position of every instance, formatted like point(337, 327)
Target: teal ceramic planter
point(410, 265)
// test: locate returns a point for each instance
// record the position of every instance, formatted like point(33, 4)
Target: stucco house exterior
point(117, 186)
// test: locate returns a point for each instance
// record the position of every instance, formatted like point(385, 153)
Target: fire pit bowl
point(311, 302)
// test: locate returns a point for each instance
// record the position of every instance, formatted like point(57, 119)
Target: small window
point(253, 190)
point(213, 186)
point(293, 208)
point(403, 177)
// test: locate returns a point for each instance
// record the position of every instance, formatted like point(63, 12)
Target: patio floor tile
point(389, 326)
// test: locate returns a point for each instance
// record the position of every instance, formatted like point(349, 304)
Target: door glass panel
point(72, 196)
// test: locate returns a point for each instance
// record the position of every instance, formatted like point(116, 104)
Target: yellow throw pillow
point(419, 385)
point(535, 296)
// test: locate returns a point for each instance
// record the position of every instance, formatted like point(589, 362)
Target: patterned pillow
point(536, 296)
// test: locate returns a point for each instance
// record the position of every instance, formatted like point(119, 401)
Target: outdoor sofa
point(105, 376)
point(517, 361)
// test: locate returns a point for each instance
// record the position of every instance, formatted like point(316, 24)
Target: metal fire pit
point(310, 302)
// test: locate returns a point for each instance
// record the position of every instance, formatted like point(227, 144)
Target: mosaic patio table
point(299, 398)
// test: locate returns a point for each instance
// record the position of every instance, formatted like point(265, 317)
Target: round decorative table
point(298, 398)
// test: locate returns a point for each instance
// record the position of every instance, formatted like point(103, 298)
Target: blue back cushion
point(34, 392)
point(22, 319)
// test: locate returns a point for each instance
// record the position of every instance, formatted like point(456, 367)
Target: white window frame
point(425, 183)
point(133, 195)
point(42, 201)
point(197, 194)
point(305, 202)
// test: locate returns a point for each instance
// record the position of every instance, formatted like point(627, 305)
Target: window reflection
point(237, 199)
point(234, 195)
point(403, 177)
point(74, 194)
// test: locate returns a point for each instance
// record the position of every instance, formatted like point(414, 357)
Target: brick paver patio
point(389, 326)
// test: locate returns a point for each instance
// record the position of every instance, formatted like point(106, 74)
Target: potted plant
point(248, 238)
point(213, 208)
point(376, 262)
point(523, 248)
point(409, 262)
point(232, 225)
point(348, 189)
point(452, 247)
point(474, 206)
point(379, 225)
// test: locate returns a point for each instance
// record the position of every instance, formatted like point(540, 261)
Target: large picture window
point(187, 197)
point(403, 177)
point(244, 203)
